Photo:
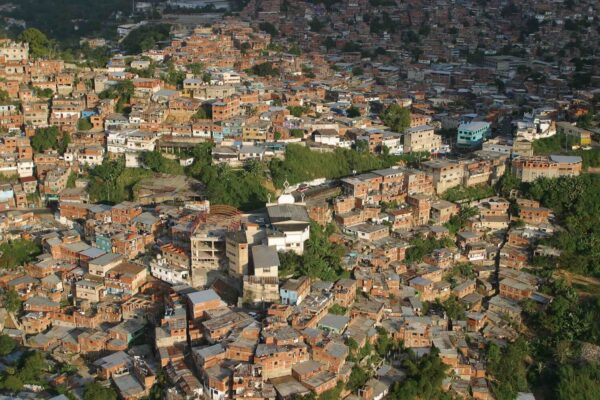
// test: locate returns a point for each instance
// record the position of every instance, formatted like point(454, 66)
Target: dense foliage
point(112, 183)
point(421, 247)
point(122, 91)
point(576, 204)
point(332, 394)
point(17, 253)
point(29, 371)
point(424, 378)
point(50, 138)
point(243, 189)
point(145, 37)
point(268, 27)
point(459, 221)
point(39, 44)
point(336, 309)
point(554, 144)
point(470, 193)
point(7, 345)
point(561, 144)
point(508, 369)
point(578, 382)
point(95, 391)
point(460, 272)
point(396, 117)
point(454, 308)
point(264, 69)
point(302, 164)
point(12, 301)
point(57, 17)
point(321, 258)
point(155, 161)
point(84, 124)
point(358, 377)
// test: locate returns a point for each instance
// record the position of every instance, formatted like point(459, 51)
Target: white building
point(330, 137)
point(130, 141)
point(88, 155)
point(25, 168)
point(289, 225)
point(13, 51)
point(172, 274)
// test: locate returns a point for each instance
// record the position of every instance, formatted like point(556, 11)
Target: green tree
point(358, 378)
point(45, 93)
point(289, 263)
point(586, 120)
point(361, 146)
point(298, 111)
point(204, 112)
point(84, 124)
point(352, 47)
point(265, 69)
point(32, 365)
point(103, 185)
point(302, 164)
point(336, 309)
point(238, 188)
point(17, 253)
point(269, 28)
point(352, 112)
point(155, 161)
point(396, 117)
point(322, 258)
point(174, 77)
point(470, 193)
point(297, 133)
point(576, 205)
point(39, 44)
point(196, 68)
point(63, 143)
point(421, 247)
point(424, 378)
point(454, 308)
point(384, 343)
point(459, 221)
point(95, 391)
point(507, 184)
point(7, 345)
point(578, 382)
point(316, 25)
point(358, 71)
point(45, 139)
point(333, 394)
point(244, 47)
point(4, 96)
point(145, 37)
point(508, 369)
point(12, 383)
point(329, 43)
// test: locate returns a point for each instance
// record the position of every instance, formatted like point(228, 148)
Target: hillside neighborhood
point(289, 203)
